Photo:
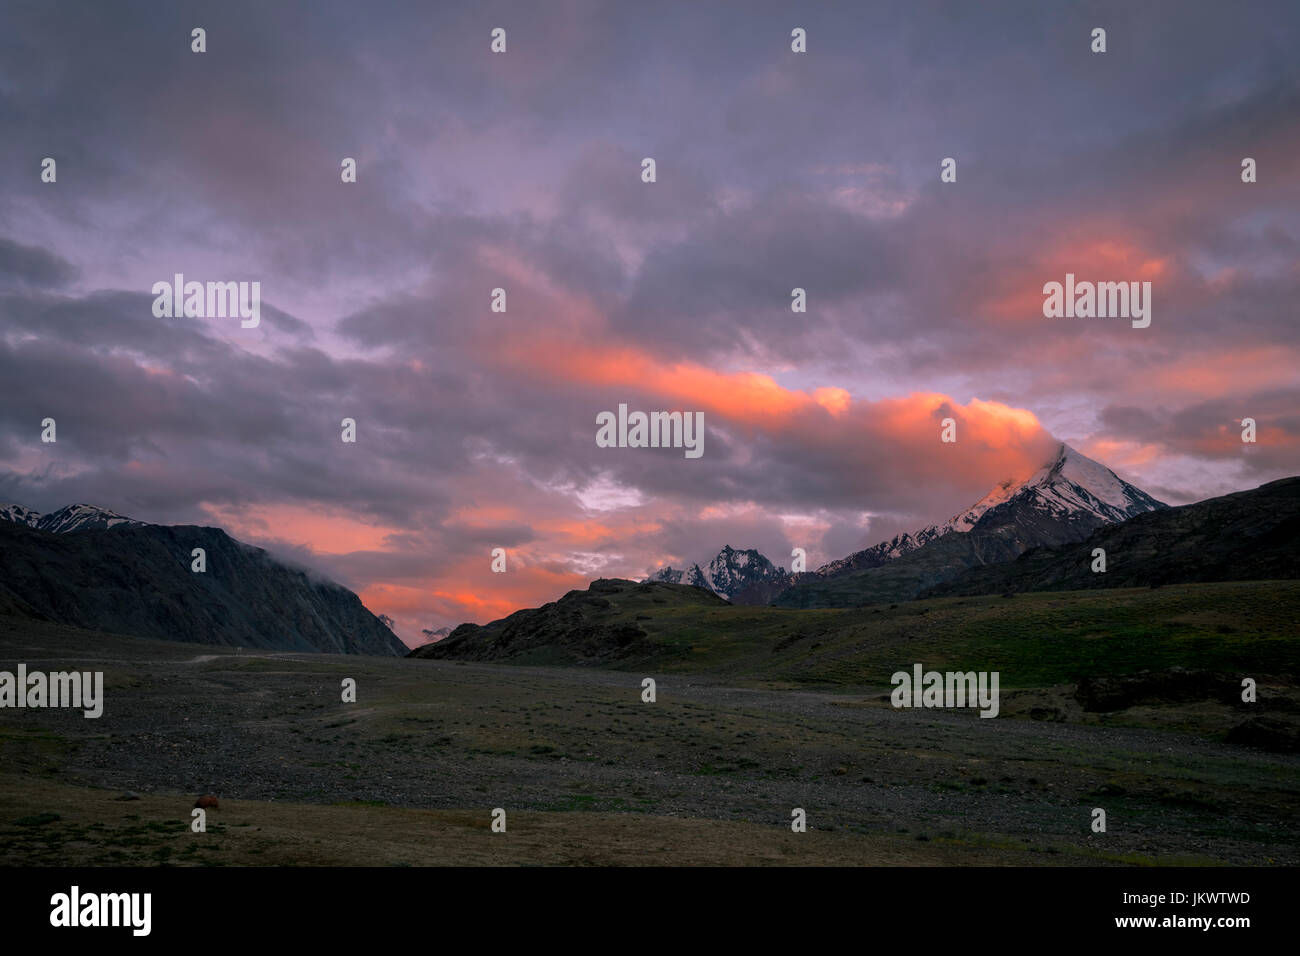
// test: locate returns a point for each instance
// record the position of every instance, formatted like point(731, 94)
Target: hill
point(598, 625)
point(1032, 639)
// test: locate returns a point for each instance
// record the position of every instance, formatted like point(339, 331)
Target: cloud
point(33, 267)
point(521, 171)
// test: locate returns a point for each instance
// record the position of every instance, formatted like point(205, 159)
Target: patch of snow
point(19, 515)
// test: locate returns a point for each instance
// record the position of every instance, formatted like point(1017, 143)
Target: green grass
point(1033, 640)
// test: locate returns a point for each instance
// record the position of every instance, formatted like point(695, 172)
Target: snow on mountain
point(669, 574)
point(1070, 488)
point(80, 517)
point(1067, 497)
point(732, 572)
point(696, 579)
point(1003, 491)
point(19, 515)
point(1074, 482)
point(739, 576)
point(694, 576)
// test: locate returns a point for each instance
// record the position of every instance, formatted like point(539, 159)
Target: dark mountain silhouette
point(1249, 535)
point(597, 625)
point(134, 578)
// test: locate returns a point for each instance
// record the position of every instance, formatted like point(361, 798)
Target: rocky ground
point(568, 745)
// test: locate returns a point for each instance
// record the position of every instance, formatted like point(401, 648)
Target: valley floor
point(589, 774)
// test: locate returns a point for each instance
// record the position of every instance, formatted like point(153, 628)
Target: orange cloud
point(1222, 371)
point(834, 400)
point(892, 443)
point(1016, 295)
point(301, 525)
point(739, 396)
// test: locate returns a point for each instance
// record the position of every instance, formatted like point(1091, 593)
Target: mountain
point(697, 579)
point(746, 577)
point(68, 518)
point(669, 575)
point(432, 635)
point(19, 515)
point(742, 577)
point(1069, 487)
point(907, 542)
point(692, 576)
point(595, 626)
point(1249, 535)
point(1062, 502)
point(126, 577)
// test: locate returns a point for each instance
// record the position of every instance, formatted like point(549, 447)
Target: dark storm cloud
point(737, 271)
point(523, 171)
point(31, 266)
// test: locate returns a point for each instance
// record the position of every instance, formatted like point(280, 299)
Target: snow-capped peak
point(731, 574)
point(19, 515)
point(1069, 484)
point(1102, 483)
point(79, 517)
point(83, 517)
point(1070, 488)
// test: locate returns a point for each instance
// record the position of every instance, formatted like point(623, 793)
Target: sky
point(522, 170)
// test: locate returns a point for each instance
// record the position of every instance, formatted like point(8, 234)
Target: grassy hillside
point(1032, 639)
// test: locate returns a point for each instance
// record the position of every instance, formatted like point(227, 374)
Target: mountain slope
point(1038, 640)
point(907, 542)
point(597, 625)
point(1064, 501)
point(1249, 535)
point(136, 579)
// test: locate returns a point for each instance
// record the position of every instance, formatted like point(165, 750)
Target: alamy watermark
point(75, 909)
point(58, 689)
point(651, 430)
point(1102, 300)
point(211, 300)
point(951, 689)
